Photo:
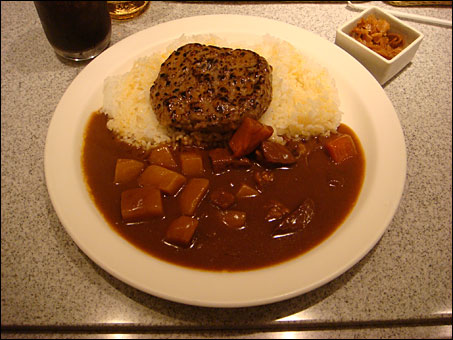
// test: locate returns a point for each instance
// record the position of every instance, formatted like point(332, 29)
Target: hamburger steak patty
point(210, 89)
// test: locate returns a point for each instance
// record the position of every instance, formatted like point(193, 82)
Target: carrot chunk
point(127, 170)
point(139, 204)
point(181, 230)
point(162, 156)
point(248, 136)
point(191, 163)
point(192, 195)
point(341, 148)
point(166, 180)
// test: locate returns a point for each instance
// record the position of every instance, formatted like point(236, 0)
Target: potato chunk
point(246, 191)
point(127, 170)
point(166, 180)
point(192, 195)
point(140, 204)
point(191, 163)
point(181, 230)
point(162, 156)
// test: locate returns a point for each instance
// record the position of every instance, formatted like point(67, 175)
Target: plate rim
point(226, 301)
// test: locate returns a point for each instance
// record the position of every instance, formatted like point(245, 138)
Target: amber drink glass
point(124, 10)
point(77, 30)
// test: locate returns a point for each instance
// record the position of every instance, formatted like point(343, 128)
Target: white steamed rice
point(304, 102)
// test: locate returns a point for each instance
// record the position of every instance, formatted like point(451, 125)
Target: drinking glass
point(77, 30)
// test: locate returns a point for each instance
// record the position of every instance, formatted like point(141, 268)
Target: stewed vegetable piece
point(163, 156)
point(191, 163)
point(139, 204)
point(127, 170)
point(166, 180)
point(192, 195)
point(181, 230)
point(246, 191)
point(341, 148)
point(249, 135)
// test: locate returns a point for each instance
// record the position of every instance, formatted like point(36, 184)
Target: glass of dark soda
point(77, 30)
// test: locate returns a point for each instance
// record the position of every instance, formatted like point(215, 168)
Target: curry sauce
point(331, 188)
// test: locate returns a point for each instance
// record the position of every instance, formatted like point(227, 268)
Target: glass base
point(87, 54)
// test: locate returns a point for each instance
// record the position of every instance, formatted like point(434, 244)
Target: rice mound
point(305, 101)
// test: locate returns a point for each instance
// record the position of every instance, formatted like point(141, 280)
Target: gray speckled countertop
point(50, 288)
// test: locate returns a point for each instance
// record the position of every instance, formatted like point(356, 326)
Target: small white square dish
point(382, 69)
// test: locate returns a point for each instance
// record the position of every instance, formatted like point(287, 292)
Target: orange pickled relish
point(374, 34)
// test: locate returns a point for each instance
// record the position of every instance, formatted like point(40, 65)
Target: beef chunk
point(223, 199)
point(263, 178)
point(275, 153)
point(221, 159)
point(275, 211)
point(297, 219)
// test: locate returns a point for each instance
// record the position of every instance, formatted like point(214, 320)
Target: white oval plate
point(367, 110)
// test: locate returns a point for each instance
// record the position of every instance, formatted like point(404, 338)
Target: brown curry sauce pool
point(334, 189)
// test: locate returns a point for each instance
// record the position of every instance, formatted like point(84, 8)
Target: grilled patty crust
point(210, 89)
